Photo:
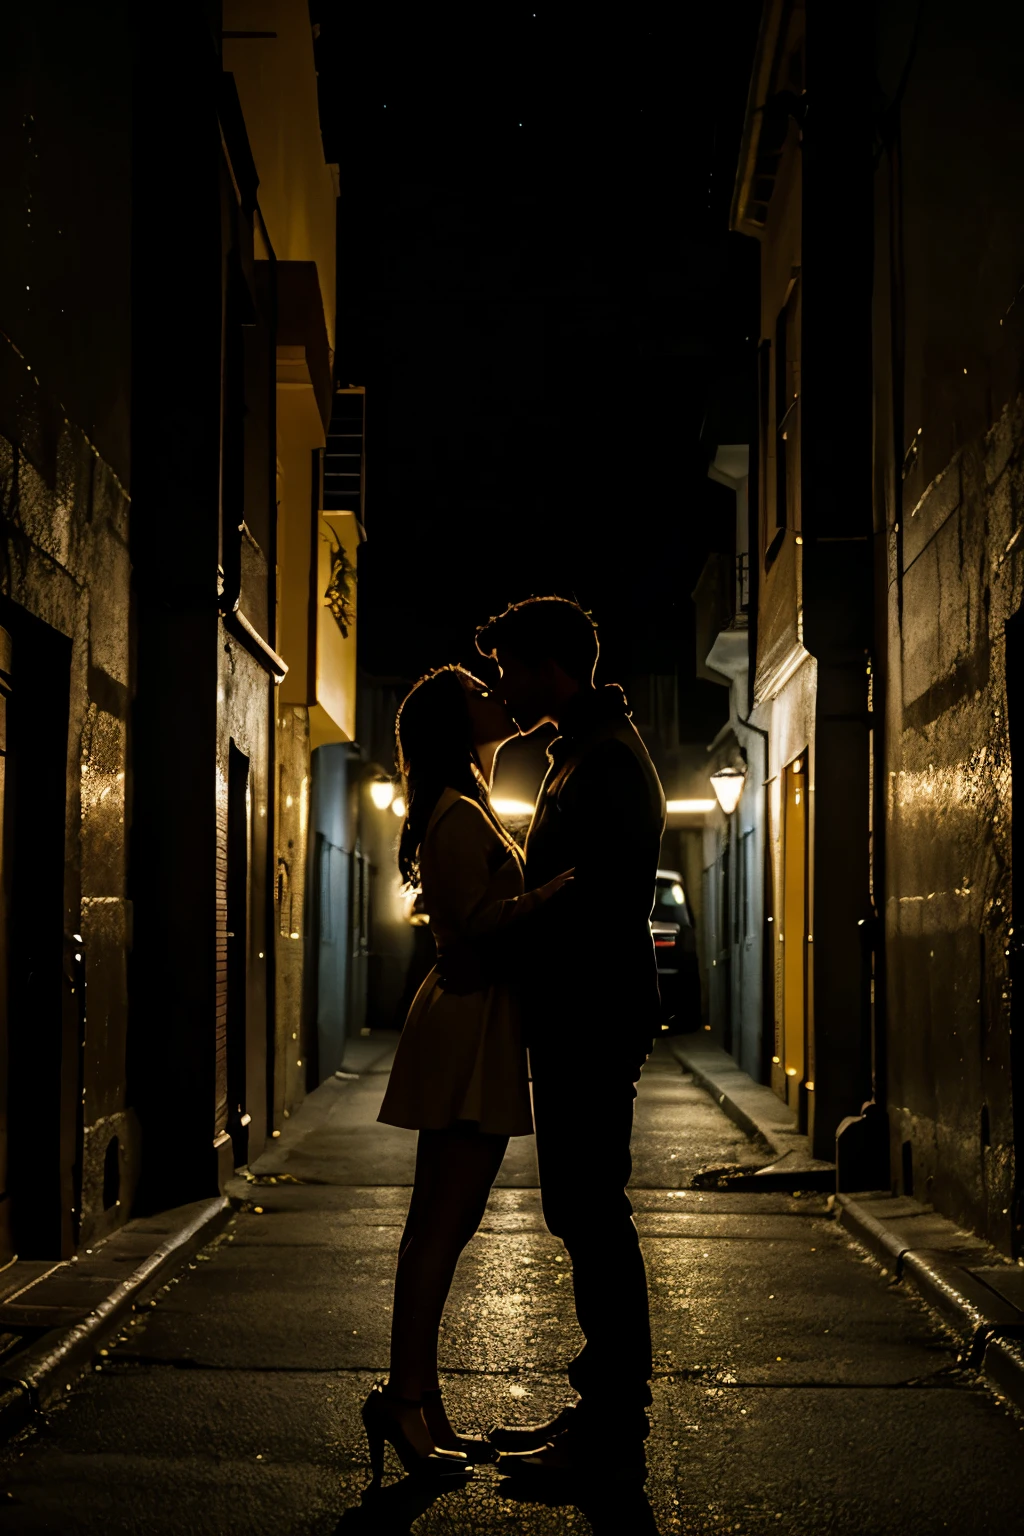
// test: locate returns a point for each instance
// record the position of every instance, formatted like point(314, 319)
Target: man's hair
point(544, 629)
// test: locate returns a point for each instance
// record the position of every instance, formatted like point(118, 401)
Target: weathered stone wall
point(65, 561)
point(948, 897)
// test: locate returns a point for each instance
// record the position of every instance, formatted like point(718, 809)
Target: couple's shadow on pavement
point(611, 1509)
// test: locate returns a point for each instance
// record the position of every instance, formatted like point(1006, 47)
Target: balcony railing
point(721, 600)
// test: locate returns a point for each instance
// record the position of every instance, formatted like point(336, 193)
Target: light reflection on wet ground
point(795, 1390)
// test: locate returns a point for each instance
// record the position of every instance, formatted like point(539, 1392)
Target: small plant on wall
point(340, 596)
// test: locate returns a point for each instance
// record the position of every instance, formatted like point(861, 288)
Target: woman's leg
point(455, 1170)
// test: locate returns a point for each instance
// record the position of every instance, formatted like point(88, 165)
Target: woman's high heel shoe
point(381, 1424)
point(474, 1447)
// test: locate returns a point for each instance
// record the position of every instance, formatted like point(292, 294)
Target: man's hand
point(462, 969)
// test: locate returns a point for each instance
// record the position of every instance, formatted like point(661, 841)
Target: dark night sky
point(539, 312)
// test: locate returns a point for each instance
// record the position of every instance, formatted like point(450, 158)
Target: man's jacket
point(590, 963)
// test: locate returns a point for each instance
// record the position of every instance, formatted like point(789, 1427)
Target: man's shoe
point(531, 1437)
point(573, 1456)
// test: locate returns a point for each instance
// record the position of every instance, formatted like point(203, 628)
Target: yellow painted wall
point(276, 81)
point(299, 432)
point(334, 718)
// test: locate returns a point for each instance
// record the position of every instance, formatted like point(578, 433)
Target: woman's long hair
point(435, 752)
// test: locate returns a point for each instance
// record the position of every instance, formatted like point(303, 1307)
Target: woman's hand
point(545, 892)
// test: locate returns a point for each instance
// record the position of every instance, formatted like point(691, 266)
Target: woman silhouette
point(460, 1075)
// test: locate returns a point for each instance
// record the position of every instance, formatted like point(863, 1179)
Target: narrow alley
point(797, 1389)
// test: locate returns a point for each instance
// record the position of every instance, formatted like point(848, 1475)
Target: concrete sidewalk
point(788, 1162)
point(56, 1317)
point(796, 1390)
point(977, 1291)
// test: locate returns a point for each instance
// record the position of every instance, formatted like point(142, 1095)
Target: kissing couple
point(548, 952)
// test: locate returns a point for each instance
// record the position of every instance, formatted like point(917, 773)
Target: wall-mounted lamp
point(727, 784)
point(398, 805)
point(382, 792)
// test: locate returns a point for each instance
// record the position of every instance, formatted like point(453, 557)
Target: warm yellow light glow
point(677, 895)
point(776, 1060)
point(689, 807)
point(512, 807)
point(809, 1087)
point(382, 792)
point(791, 1071)
point(398, 805)
point(288, 801)
point(727, 784)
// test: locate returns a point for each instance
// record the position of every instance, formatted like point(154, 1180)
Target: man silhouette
point(588, 981)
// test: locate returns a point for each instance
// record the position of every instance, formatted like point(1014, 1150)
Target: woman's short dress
point(461, 1058)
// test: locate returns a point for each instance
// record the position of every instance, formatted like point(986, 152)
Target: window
point(787, 412)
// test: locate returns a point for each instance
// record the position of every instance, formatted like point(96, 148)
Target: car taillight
point(664, 943)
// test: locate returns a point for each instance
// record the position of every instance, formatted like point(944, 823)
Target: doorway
point(238, 851)
point(41, 970)
point(6, 680)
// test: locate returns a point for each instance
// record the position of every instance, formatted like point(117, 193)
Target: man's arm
point(613, 828)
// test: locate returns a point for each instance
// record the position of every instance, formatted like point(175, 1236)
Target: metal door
point(239, 841)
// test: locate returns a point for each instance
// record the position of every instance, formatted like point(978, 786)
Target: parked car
point(675, 945)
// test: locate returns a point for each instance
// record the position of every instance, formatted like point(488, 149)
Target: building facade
point(166, 394)
point(891, 426)
point(811, 551)
point(69, 1142)
point(733, 843)
point(949, 436)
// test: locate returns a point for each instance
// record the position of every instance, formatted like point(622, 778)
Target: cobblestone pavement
point(797, 1390)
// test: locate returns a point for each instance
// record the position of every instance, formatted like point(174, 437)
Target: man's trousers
point(583, 1109)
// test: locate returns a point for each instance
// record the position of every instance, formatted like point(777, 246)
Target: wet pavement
point(797, 1390)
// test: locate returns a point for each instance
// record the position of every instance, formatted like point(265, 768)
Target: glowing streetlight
point(727, 784)
point(517, 809)
point(382, 792)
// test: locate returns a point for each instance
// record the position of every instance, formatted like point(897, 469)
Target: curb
point(761, 1117)
point(34, 1377)
point(990, 1328)
point(725, 1102)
